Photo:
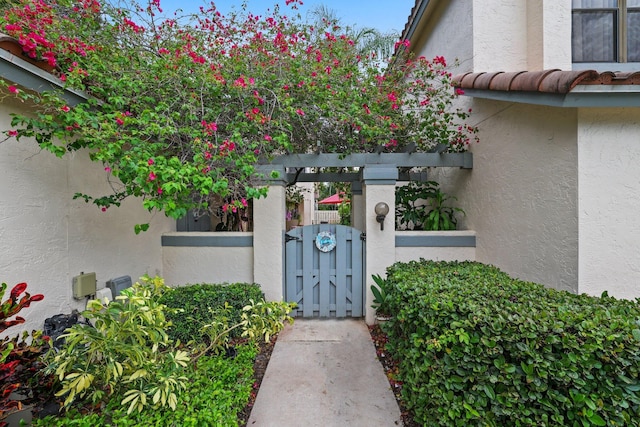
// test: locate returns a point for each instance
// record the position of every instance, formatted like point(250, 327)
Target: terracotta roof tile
point(548, 81)
point(503, 81)
point(14, 47)
point(484, 80)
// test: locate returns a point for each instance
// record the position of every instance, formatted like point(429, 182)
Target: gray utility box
point(118, 284)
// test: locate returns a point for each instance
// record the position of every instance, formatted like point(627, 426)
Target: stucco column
point(379, 186)
point(357, 206)
point(268, 231)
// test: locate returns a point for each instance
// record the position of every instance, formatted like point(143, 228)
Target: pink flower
point(104, 209)
point(268, 138)
point(440, 60)
point(66, 108)
point(459, 91)
point(300, 112)
point(244, 202)
point(13, 89)
point(12, 133)
point(107, 169)
point(152, 176)
point(119, 121)
point(150, 162)
point(159, 190)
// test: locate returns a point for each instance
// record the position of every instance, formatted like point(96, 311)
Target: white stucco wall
point(500, 40)
point(520, 35)
point(268, 242)
point(46, 238)
point(380, 252)
point(436, 253)
point(191, 264)
point(609, 155)
point(521, 196)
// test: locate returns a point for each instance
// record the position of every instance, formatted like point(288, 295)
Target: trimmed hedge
point(201, 303)
point(477, 347)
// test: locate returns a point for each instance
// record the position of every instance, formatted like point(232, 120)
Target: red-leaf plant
point(19, 357)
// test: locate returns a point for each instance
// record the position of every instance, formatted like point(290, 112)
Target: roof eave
point(581, 96)
point(30, 77)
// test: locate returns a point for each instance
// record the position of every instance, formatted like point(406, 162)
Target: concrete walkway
point(325, 373)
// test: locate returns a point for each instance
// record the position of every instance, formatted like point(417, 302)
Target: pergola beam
point(326, 160)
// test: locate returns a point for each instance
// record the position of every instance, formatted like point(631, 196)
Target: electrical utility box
point(84, 285)
point(118, 284)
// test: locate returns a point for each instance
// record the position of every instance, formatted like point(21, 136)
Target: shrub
point(477, 347)
point(219, 388)
point(127, 353)
point(203, 304)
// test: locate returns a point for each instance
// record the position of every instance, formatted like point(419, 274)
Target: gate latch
point(288, 238)
point(363, 237)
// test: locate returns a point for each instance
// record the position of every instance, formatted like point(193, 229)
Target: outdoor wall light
point(381, 209)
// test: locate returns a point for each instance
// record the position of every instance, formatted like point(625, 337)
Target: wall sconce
point(381, 209)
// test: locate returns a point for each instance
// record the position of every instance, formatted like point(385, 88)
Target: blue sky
point(385, 15)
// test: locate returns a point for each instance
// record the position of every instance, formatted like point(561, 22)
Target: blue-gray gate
point(324, 270)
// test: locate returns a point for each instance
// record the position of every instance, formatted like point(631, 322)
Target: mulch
point(390, 366)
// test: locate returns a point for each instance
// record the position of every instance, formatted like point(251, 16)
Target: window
point(605, 31)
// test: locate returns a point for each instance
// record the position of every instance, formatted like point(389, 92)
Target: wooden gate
point(324, 270)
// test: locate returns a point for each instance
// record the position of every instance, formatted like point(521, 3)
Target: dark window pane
point(593, 36)
point(633, 36)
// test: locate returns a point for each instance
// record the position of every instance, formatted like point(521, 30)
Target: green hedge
point(201, 303)
point(477, 347)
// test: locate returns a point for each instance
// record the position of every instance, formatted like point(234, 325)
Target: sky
point(384, 15)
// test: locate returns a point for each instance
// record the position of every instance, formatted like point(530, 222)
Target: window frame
point(620, 30)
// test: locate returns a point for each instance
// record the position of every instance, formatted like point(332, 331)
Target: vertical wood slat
point(324, 276)
point(308, 282)
point(341, 271)
point(357, 269)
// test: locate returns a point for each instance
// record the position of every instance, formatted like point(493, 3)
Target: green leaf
point(597, 420)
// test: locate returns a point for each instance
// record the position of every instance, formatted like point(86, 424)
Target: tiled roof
point(546, 81)
point(12, 46)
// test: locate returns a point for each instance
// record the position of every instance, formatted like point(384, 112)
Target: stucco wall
point(207, 264)
point(521, 196)
point(609, 155)
point(46, 238)
point(436, 253)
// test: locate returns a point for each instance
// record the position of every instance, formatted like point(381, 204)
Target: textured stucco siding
point(521, 196)
point(609, 206)
point(188, 265)
point(46, 238)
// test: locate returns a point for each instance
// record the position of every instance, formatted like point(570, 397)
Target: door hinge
point(288, 238)
point(363, 237)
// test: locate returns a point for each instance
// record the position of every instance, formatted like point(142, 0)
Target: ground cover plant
point(127, 370)
point(181, 109)
point(476, 347)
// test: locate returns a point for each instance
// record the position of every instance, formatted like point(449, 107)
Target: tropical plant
point(19, 357)
point(344, 210)
point(182, 115)
point(127, 352)
point(260, 319)
point(423, 206)
point(381, 296)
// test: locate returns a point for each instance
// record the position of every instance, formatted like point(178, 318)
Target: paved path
point(325, 373)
